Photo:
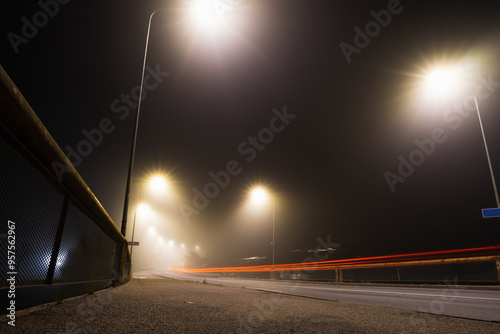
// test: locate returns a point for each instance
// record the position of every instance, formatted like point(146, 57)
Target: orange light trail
point(392, 260)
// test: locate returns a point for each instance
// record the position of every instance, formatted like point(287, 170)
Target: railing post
point(124, 266)
point(497, 261)
point(57, 240)
point(338, 275)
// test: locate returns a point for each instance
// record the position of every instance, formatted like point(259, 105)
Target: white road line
point(272, 286)
point(368, 291)
point(408, 294)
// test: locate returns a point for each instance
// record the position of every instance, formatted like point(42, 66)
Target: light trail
point(457, 255)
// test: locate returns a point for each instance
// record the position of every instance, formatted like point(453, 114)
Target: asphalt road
point(463, 301)
point(152, 304)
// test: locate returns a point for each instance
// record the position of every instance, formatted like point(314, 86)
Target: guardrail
point(463, 266)
point(57, 240)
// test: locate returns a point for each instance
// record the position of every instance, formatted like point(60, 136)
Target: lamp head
point(443, 81)
point(259, 195)
point(205, 15)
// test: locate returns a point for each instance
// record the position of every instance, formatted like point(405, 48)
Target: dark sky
point(326, 167)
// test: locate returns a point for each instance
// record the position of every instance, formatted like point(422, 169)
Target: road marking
point(409, 294)
point(362, 291)
point(283, 284)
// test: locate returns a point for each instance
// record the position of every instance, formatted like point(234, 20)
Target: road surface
point(465, 302)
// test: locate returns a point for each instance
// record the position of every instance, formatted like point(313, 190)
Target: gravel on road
point(152, 304)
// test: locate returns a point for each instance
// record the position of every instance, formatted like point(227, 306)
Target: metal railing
point(65, 242)
point(463, 266)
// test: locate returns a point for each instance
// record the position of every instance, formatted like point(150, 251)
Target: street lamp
point(199, 12)
point(443, 80)
point(156, 183)
point(497, 199)
point(259, 196)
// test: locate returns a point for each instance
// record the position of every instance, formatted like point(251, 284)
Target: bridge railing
point(57, 240)
point(462, 266)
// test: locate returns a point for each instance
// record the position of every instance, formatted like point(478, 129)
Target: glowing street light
point(144, 210)
point(204, 15)
point(259, 196)
point(156, 183)
point(444, 80)
point(202, 12)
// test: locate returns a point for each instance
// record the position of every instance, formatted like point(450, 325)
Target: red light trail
point(468, 254)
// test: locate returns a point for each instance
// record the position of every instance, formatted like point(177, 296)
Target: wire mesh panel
point(34, 205)
point(52, 229)
point(86, 252)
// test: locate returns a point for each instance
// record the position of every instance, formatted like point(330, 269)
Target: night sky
point(345, 117)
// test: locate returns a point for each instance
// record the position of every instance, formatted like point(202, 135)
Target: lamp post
point(157, 182)
point(487, 154)
point(273, 233)
point(448, 77)
point(259, 195)
point(201, 12)
point(133, 227)
point(134, 136)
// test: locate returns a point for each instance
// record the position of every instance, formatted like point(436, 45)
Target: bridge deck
point(150, 304)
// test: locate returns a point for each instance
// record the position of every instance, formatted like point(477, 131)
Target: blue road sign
point(490, 213)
